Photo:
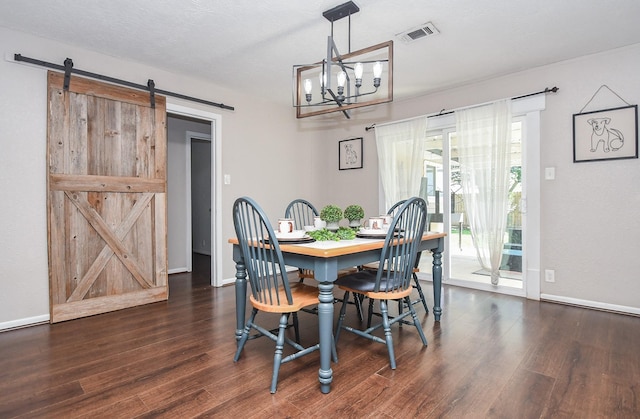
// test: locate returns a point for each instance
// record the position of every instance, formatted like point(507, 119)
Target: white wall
point(590, 226)
point(253, 141)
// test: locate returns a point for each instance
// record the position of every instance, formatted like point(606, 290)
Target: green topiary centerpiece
point(332, 214)
point(354, 213)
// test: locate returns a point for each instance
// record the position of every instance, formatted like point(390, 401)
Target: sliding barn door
point(106, 198)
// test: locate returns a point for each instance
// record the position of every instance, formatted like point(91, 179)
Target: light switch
point(227, 179)
point(549, 173)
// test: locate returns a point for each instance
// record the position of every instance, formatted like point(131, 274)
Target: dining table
point(326, 258)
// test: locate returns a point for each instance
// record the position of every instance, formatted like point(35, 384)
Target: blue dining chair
point(393, 278)
point(271, 291)
point(302, 212)
point(416, 282)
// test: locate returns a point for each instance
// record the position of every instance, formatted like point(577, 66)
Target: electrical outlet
point(549, 275)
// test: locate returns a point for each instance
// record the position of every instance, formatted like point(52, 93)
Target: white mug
point(285, 225)
point(375, 223)
point(387, 219)
point(318, 223)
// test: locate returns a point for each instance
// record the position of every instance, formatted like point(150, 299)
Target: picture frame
point(607, 134)
point(350, 154)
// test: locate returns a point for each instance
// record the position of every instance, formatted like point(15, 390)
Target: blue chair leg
point(387, 333)
point(357, 300)
point(245, 335)
point(295, 327)
point(416, 323)
point(419, 288)
point(277, 358)
point(343, 311)
point(370, 313)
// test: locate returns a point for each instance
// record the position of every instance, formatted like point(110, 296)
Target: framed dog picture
point(350, 154)
point(606, 135)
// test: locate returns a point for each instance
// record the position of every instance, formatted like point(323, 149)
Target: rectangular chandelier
point(340, 83)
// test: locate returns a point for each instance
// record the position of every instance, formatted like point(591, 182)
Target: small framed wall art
point(350, 154)
point(606, 134)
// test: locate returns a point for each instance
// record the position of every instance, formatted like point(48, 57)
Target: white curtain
point(400, 158)
point(484, 140)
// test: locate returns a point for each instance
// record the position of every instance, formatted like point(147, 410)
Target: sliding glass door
point(442, 189)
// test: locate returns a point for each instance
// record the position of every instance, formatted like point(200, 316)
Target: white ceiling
point(251, 45)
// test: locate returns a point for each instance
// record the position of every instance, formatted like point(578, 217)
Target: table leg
point(241, 297)
point(437, 282)
point(325, 321)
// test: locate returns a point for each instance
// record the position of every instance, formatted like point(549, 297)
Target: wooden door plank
point(160, 207)
point(76, 164)
point(92, 183)
point(128, 135)
point(159, 145)
point(109, 91)
point(160, 220)
point(56, 127)
point(144, 118)
point(98, 305)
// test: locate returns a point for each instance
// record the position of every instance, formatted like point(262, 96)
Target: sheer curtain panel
point(484, 141)
point(400, 158)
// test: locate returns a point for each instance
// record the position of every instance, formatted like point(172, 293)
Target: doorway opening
point(199, 176)
point(194, 185)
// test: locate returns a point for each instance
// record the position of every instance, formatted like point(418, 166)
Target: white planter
point(333, 226)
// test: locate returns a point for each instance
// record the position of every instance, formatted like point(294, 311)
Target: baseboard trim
point(597, 305)
point(27, 321)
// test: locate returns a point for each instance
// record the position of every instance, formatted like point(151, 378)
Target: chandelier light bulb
point(377, 70)
point(377, 73)
point(358, 70)
point(342, 78)
point(307, 90)
point(322, 77)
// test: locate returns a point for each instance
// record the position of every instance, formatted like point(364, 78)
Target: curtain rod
point(150, 87)
point(442, 112)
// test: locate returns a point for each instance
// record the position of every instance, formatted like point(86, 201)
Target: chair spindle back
point(397, 262)
point(302, 212)
point(261, 251)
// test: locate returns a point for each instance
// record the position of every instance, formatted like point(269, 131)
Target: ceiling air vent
point(419, 32)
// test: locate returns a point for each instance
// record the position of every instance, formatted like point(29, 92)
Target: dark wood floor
point(490, 356)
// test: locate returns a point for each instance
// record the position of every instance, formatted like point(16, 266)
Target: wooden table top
point(329, 249)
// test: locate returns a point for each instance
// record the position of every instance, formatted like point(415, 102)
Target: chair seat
point(416, 285)
point(302, 295)
point(374, 267)
point(363, 282)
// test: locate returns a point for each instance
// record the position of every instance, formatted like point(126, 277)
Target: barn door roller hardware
point(68, 66)
point(150, 87)
point(152, 92)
